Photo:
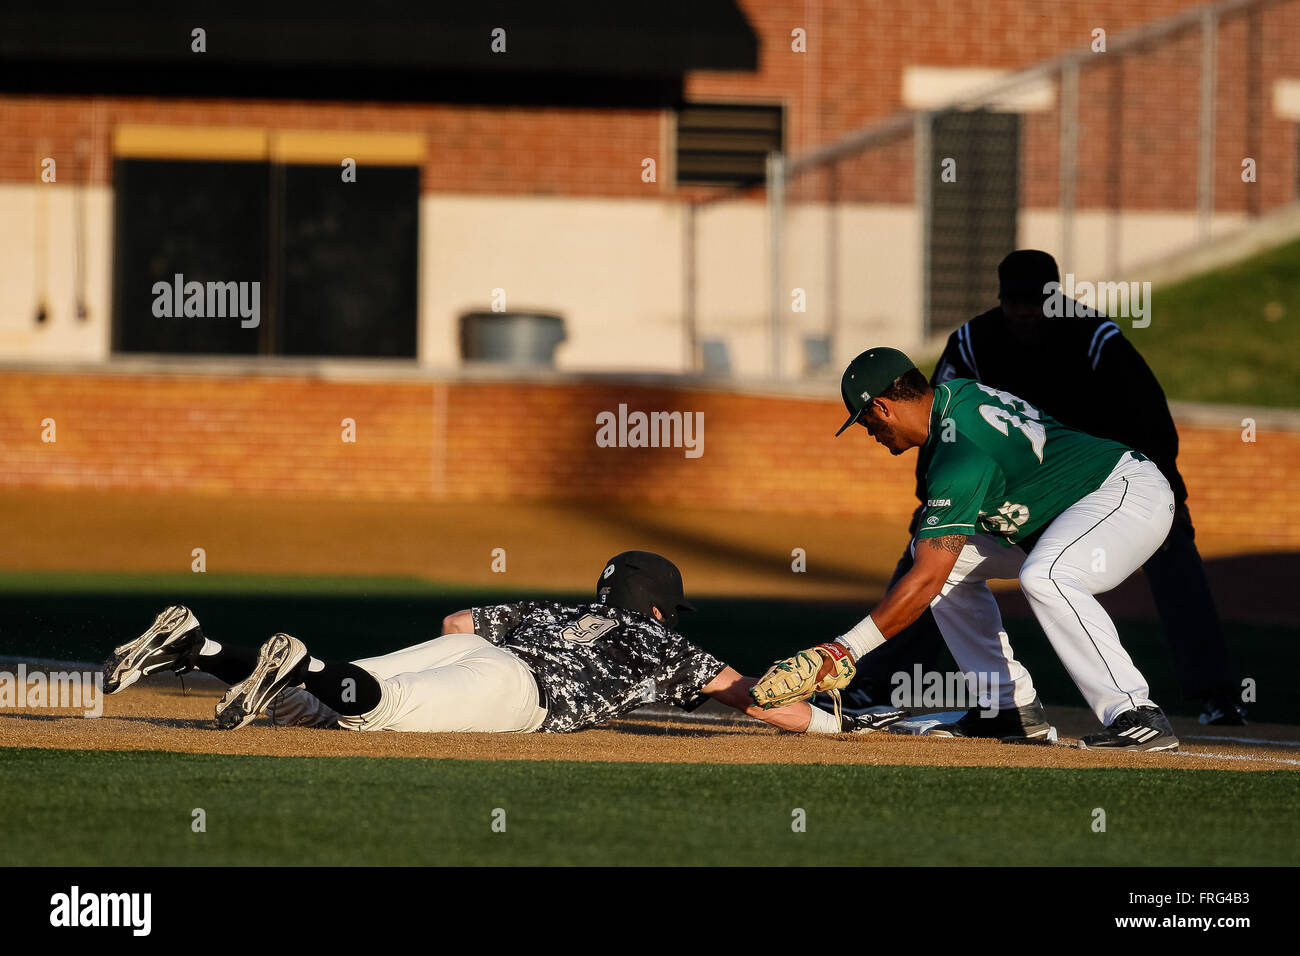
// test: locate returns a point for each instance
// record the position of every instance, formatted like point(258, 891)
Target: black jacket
point(1081, 371)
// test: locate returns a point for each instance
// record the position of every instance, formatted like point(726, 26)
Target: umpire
point(1085, 374)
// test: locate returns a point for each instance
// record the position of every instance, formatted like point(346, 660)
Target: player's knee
point(1043, 582)
point(1036, 581)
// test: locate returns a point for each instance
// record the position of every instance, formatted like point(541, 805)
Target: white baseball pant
point(1090, 548)
point(454, 683)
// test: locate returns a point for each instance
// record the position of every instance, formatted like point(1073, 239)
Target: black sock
point(230, 664)
point(344, 687)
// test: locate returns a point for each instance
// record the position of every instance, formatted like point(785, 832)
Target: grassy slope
point(90, 808)
point(1211, 338)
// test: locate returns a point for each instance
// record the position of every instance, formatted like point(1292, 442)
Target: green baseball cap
point(867, 376)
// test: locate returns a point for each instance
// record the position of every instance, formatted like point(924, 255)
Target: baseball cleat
point(281, 662)
point(1024, 723)
point(878, 718)
point(853, 700)
point(167, 645)
point(1144, 729)
point(1223, 712)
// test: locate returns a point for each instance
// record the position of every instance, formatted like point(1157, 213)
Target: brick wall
point(513, 441)
point(850, 75)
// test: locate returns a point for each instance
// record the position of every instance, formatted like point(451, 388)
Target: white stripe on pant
point(1088, 549)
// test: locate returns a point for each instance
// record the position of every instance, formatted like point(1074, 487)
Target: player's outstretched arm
point(913, 592)
point(732, 688)
point(910, 595)
point(832, 666)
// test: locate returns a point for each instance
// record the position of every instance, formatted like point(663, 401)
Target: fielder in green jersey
point(995, 465)
point(1010, 493)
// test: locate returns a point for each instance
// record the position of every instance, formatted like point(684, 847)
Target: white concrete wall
point(1103, 242)
point(876, 275)
point(38, 251)
point(613, 268)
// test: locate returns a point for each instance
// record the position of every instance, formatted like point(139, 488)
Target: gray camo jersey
point(596, 661)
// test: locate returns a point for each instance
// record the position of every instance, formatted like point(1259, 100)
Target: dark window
point(349, 254)
point(972, 220)
point(725, 144)
point(203, 221)
point(336, 262)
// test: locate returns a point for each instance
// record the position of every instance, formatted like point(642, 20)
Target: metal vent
point(725, 144)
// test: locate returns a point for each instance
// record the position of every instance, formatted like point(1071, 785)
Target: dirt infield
point(159, 715)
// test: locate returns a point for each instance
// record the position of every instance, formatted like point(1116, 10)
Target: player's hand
point(825, 667)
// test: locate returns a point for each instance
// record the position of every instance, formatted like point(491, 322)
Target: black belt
point(543, 699)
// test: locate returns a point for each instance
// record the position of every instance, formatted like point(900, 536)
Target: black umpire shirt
point(1081, 371)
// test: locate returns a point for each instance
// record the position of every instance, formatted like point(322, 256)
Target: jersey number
point(1004, 419)
point(588, 629)
point(1008, 519)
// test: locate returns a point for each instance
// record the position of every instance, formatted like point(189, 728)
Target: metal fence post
point(690, 317)
point(1069, 160)
point(776, 243)
point(832, 259)
point(1209, 85)
point(923, 180)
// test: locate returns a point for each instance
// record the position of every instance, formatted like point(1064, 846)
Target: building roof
point(562, 50)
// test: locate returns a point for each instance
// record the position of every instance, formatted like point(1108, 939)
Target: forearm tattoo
point(949, 542)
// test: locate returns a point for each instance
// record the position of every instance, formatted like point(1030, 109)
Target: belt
point(543, 699)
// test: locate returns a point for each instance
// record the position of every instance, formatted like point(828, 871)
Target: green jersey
point(994, 464)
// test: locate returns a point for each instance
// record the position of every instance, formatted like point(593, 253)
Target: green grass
point(104, 808)
point(1225, 337)
point(1211, 338)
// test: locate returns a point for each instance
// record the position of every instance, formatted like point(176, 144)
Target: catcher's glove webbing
point(821, 669)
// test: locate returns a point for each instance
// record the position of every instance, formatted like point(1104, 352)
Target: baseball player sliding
point(997, 473)
point(524, 667)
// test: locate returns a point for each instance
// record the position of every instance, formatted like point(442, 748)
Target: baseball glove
point(820, 669)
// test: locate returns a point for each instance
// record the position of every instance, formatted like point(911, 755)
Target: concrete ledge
point(380, 371)
point(1272, 229)
point(1230, 416)
point(404, 371)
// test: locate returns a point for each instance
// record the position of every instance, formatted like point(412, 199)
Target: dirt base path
point(158, 715)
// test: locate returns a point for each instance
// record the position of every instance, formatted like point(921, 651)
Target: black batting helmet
point(641, 580)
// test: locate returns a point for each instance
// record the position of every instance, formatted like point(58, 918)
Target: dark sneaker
point(1143, 729)
point(281, 663)
point(877, 718)
point(853, 700)
point(1223, 712)
point(1024, 723)
point(168, 645)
